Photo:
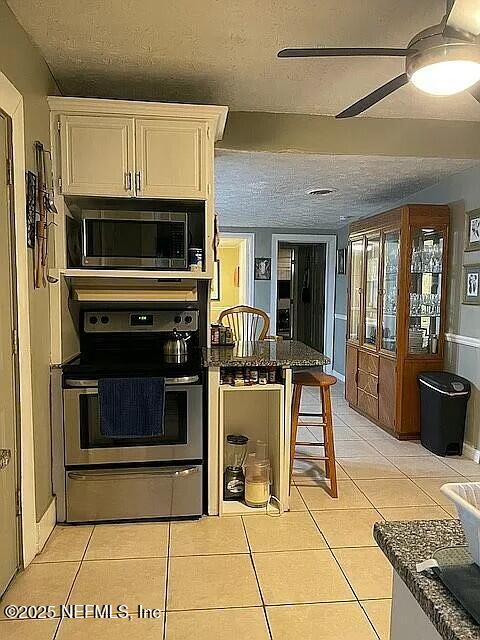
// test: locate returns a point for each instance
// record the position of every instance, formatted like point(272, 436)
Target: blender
point(233, 477)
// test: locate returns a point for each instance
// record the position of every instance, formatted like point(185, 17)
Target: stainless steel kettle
point(175, 348)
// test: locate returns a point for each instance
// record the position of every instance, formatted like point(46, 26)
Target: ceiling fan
point(441, 60)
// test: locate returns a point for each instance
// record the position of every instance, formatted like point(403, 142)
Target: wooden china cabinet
point(397, 268)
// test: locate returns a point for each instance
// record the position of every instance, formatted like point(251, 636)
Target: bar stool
point(323, 382)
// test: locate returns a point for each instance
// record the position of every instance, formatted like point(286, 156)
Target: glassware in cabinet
point(391, 255)
point(356, 269)
point(372, 257)
point(425, 298)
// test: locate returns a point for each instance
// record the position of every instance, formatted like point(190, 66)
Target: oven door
point(85, 445)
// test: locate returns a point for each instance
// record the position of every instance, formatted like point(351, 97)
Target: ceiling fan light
point(447, 77)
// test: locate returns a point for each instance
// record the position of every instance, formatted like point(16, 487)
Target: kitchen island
point(258, 411)
point(422, 608)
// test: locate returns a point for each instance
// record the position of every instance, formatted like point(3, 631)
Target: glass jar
point(257, 481)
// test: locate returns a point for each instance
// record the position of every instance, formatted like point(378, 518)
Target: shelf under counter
point(261, 418)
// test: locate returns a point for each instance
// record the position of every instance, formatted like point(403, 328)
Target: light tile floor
point(316, 572)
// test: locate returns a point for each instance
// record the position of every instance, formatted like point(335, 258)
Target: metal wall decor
point(31, 212)
point(45, 206)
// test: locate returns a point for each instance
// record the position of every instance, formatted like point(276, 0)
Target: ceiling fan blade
point(319, 52)
point(374, 97)
point(475, 91)
point(464, 16)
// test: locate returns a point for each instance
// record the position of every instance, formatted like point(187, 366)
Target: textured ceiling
point(261, 189)
point(224, 52)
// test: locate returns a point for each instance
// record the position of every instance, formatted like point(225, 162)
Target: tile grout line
point(344, 573)
point(267, 622)
point(368, 617)
point(167, 572)
point(74, 580)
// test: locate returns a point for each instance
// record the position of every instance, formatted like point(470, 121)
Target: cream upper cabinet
point(172, 158)
point(97, 155)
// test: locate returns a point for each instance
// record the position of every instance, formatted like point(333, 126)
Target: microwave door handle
point(165, 473)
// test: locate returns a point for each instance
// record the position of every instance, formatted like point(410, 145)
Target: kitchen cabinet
point(397, 269)
point(97, 155)
point(159, 156)
point(171, 158)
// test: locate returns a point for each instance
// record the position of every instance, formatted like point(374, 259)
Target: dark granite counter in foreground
point(265, 353)
point(405, 544)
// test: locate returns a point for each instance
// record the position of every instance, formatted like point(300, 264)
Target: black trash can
point(443, 407)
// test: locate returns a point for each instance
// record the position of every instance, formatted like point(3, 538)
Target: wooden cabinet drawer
point(368, 382)
point(368, 363)
point(368, 404)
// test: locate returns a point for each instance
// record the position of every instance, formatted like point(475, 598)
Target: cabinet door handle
point(138, 181)
point(128, 181)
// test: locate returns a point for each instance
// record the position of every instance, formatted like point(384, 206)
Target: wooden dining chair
point(248, 324)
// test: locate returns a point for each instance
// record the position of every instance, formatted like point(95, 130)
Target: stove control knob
point(188, 319)
point(177, 319)
point(104, 319)
point(93, 319)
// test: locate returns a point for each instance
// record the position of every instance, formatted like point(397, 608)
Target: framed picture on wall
point(215, 286)
point(263, 268)
point(341, 261)
point(472, 231)
point(471, 284)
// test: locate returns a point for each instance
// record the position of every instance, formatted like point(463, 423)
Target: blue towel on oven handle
point(131, 407)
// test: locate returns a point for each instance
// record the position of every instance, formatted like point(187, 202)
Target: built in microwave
point(134, 239)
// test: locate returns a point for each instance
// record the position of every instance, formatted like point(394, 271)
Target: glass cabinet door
point(372, 257)
point(391, 253)
point(425, 290)
point(356, 269)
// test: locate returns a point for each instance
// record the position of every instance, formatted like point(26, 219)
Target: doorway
point(330, 243)
point(9, 517)
point(233, 278)
point(300, 283)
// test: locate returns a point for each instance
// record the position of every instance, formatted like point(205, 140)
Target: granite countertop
point(265, 353)
point(405, 544)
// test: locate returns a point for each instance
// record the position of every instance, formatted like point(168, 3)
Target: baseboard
point(340, 376)
point(46, 525)
point(470, 452)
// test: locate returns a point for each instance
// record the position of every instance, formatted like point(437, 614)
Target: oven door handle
point(129, 475)
point(90, 386)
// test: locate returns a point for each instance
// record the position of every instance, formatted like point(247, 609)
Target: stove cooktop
point(124, 364)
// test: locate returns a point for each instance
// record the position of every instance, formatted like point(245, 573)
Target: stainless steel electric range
point(109, 479)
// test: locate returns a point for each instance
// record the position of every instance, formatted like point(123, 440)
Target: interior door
point(309, 299)
point(170, 158)
point(97, 156)
point(8, 475)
